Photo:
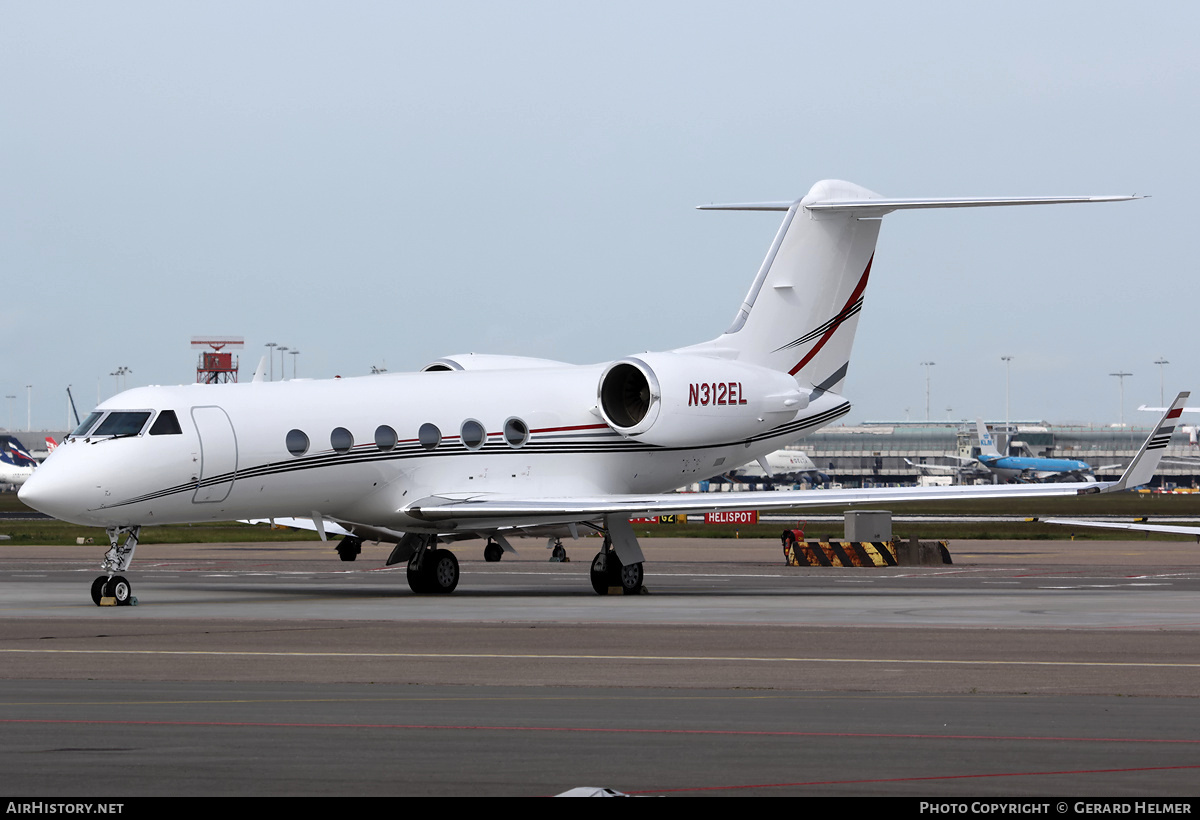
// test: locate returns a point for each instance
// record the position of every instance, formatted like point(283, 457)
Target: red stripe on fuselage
point(568, 429)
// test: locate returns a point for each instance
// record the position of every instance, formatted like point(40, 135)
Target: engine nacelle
point(488, 361)
point(684, 400)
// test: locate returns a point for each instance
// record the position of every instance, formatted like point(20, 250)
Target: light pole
point(1007, 362)
point(1161, 361)
point(294, 354)
point(271, 354)
point(119, 378)
point(927, 365)
point(282, 358)
point(1121, 376)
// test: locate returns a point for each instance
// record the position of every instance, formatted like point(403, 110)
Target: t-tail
point(802, 309)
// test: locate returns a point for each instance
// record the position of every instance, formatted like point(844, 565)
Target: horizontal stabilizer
point(881, 206)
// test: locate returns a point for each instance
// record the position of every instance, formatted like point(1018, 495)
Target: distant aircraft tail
point(21, 453)
point(51, 444)
point(802, 310)
point(987, 445)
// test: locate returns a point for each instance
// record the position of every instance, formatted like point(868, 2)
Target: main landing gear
point(492, 552)
point(430, 569)
point(609, 574)
point(349, 548)
point(112, 585)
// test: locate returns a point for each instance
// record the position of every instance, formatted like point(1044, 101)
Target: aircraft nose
point(50, 491)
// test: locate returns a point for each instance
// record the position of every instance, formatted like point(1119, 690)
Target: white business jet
point(484, 446)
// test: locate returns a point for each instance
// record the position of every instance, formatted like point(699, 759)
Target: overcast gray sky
point(378, 183)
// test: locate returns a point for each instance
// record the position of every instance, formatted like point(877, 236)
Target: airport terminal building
point(878, 453)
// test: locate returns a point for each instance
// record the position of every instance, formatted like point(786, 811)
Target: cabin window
point(123, 424)
point(87, 424)
point(167, 424)
point(473, 434)
point(516, 432)
point(429, 435)
point(385, 438)
point(297, 442)
point(341, 440)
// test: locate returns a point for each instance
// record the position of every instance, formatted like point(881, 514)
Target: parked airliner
point(1027, 468)
point(475, 445)
point(16, 464)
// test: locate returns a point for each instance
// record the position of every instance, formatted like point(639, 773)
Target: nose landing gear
point(113, 589)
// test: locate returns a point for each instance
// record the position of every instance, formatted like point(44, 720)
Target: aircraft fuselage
point(357, 452)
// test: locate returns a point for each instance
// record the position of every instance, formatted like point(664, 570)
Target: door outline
point(218, 453)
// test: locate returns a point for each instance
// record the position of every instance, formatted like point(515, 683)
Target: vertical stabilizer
point(987, 444)
point(802, 309)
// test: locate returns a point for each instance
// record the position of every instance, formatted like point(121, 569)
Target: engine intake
point(630, 396)
point(680, 399)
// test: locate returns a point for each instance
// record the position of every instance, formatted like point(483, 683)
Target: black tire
point(118, 588)
point(493, 552)
point(349, 548)
point(558, 552)
point(443, 572)
point(631, 578)
point(98, 589)
point(599, 574)
point(417, 580)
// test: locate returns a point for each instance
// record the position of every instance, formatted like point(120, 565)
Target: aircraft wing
point(492, 510)
point(478, 509)
point(940, 469)
point(1125, 525)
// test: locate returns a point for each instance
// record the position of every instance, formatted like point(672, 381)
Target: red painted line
point(594, 730)
point(1176, 413)
point(841, 317)
point(915, 779)
point(567, 429)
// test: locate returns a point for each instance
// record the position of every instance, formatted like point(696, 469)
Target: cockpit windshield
point(123, 423)
point(87, 424)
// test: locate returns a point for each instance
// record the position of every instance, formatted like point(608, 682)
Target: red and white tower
point(215, 365)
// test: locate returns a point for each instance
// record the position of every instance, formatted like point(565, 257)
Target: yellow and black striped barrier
point(864, 553)
point(841, 554)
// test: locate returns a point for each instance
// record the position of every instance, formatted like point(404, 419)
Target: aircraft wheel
point(558, 552)
point(119, 588)
point(417, 580)
point(599, 574)
point(349, 548)
point(631, 579)
point(493, 552)
point(98, 589)
point(443, 574)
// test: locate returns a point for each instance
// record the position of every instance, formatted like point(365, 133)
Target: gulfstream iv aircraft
point(489, 446)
